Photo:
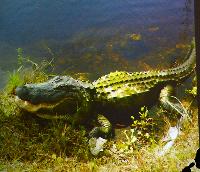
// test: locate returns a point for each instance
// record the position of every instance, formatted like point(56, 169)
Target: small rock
point(96, 145)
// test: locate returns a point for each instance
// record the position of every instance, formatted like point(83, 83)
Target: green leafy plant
point(141, 133)
point(14, 80)
point(192, 91)
point(27, 72)
point(144, 127)
point(131, 140)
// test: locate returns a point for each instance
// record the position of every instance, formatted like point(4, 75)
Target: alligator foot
point(103, 130)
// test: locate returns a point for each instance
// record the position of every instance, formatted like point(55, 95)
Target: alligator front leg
point(103, 130)
point(82, 114)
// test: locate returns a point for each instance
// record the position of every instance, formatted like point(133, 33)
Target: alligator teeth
point(17, 99)
point(25, 103)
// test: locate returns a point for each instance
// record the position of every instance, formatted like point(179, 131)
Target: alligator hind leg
point(103, 130)
point(170, 103)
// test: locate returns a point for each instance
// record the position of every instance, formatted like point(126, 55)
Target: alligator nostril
point(17, 90)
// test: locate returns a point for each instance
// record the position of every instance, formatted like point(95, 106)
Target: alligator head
point(60, 91)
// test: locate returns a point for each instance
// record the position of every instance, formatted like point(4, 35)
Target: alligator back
point(117, 85)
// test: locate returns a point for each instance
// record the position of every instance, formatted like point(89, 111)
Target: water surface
point(95, 36)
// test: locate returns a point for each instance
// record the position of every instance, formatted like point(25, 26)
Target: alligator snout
point(40, 94)
point(22, 92)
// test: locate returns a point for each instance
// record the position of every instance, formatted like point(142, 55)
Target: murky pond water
point(95, 36)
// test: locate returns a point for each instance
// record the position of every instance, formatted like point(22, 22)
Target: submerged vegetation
point(29, 143)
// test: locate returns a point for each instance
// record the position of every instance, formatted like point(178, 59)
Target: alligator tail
point(185, 69)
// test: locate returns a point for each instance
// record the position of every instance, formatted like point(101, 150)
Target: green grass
point(28, 143)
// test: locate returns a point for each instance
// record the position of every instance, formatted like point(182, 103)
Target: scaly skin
point(123, 84)
point(117, 93)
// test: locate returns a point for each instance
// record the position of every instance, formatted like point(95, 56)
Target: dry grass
point(29, 144)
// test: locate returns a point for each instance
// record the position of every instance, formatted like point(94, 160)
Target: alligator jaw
point(33, 107)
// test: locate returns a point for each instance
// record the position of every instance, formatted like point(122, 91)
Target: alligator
point(108, 100)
